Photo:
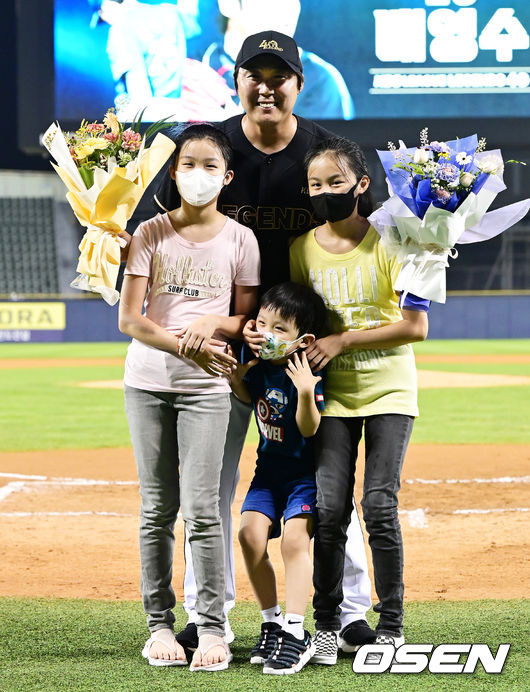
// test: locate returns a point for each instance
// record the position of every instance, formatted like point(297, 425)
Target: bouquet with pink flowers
point(106, 169)
point(102, 145)
point(439, 196)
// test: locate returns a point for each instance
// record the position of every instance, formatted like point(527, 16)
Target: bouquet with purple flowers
point(439, 196)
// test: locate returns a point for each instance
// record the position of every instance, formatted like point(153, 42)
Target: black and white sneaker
point(266, 643)
point(290, 655)
point(384, 638)
point(326, 647)
point(354, 635)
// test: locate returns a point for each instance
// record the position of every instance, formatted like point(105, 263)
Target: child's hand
point(239, 387)
point(252, 337)
point(321, 351)
point(301, 374)
point(194, 337)
point(214, 359)
point(241, 369)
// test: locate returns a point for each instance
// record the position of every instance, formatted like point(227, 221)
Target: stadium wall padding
point(484, 316)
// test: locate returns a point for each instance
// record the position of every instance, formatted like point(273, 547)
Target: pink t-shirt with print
point(186, 280)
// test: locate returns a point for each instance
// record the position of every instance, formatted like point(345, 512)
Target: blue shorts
point(276, 499)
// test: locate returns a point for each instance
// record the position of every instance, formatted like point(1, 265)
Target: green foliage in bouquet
point(108, 144)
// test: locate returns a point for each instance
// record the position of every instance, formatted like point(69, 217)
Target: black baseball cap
point(271, 43)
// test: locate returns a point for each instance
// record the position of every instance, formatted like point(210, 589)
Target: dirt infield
point(464, 519)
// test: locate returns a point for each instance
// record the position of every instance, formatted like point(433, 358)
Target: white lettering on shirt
point(358, 360)
point(270, 432)
point(336, 293)
point(167, 277)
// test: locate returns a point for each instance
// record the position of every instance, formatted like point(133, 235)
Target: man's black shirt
point(268, 193)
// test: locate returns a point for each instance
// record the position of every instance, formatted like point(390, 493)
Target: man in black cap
point(269, 194)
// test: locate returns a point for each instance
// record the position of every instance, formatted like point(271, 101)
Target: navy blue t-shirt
point(274, 397)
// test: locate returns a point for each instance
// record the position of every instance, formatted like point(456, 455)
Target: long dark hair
point(347, 154)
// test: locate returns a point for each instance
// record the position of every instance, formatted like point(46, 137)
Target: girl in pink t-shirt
point(185, 268)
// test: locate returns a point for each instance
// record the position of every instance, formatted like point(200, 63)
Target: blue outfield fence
point(473, 315)
point(56, 319)
point(481, 315)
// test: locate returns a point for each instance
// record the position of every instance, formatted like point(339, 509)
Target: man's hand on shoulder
point(125, 244)
point(236, 379)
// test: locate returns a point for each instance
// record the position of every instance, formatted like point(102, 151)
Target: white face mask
point(275, 348)
point(198, 187)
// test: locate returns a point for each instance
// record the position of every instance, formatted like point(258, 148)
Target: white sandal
point(212, 667)
point(166, 637)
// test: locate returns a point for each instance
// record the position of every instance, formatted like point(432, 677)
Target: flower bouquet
point(439, 196)
point(106, 169)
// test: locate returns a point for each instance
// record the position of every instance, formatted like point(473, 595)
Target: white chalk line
point(22, 486)
point(66, 480)
point(417, 518)
point(21, 475)
point(10, 488)
point(26, 485)
point(65, 514)
point(409, 481)
point(450, 481)
point(423, 481)
point(488, 511)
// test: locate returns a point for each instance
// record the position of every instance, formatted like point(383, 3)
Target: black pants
point(336, 443)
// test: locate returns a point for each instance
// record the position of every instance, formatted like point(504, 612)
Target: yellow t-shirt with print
point(357, 286)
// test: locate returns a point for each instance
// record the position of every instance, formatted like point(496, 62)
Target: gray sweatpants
point(178, 441)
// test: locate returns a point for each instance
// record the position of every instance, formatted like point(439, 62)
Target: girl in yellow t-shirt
point(371, 385)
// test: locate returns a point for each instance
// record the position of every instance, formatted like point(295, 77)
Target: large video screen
point(362, 59)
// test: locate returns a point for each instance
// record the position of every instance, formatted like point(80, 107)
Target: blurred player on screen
point(146, 47)
point(328, 96)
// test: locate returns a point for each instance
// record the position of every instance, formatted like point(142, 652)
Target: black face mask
point(334, 206)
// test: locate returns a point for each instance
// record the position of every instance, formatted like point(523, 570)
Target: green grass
point(44, 408)
point(489, 415)
point(472, 416)
point(69, 350)
point(470, 346)
point(75, 645)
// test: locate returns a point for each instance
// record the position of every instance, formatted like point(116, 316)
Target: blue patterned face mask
point(275, 348)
